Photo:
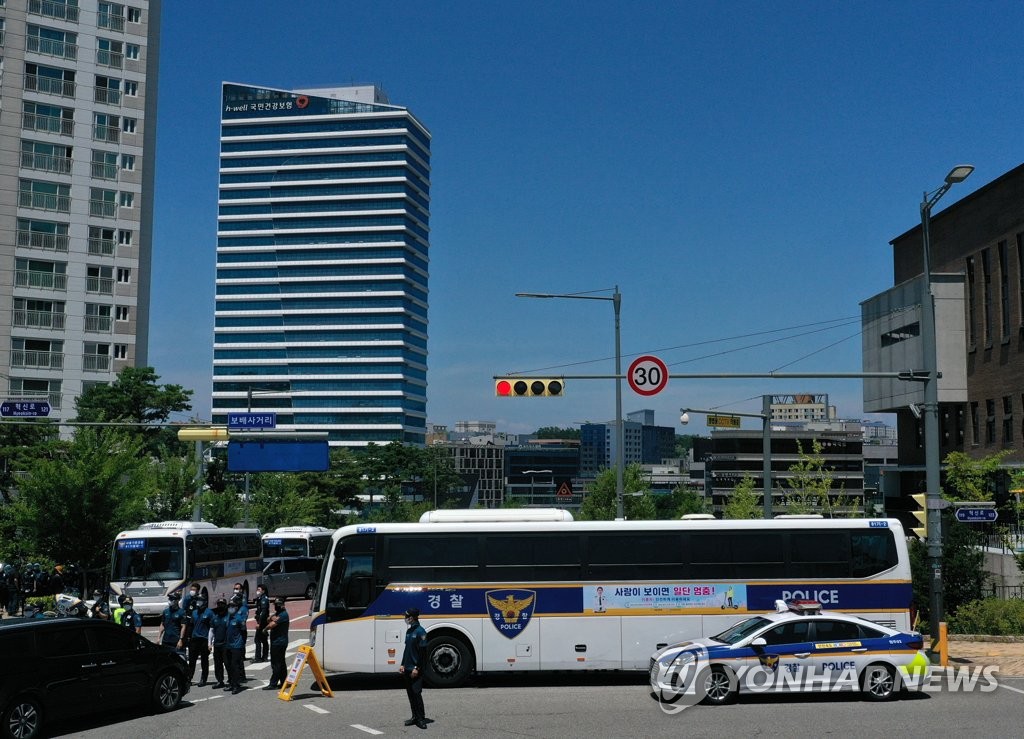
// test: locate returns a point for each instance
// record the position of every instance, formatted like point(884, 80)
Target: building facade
point(322, 263)
point(78, 124)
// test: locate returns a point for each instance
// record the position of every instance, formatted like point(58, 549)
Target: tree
point(280, 499)
point(744, 501)
point(599, 504)
point(963, 568)
point(972, 479)
point(554, 432)
point(679, 503)
point(20, 445)
point(811, 484)
point(71, 508)
point(175, 489)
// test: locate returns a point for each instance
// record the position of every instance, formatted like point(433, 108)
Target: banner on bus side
point(305, 656)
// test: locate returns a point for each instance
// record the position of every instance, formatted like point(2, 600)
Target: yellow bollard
point(943, 645)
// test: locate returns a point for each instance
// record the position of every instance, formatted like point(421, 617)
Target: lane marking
point(202, 700)
point(367, 729)
point(1015, 690)
point(315, 709)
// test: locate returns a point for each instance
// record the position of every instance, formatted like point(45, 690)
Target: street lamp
point(766, 444)
point(616, 300)
point(931, 399)
point(531, 473)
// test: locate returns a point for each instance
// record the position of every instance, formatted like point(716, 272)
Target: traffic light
point(922, 516)
point(528, 387)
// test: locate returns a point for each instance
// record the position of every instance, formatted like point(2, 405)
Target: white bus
point(157, 559)
point(297, 541)
point(563, 595)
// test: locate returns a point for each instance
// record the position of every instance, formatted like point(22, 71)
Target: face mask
point(194, 592)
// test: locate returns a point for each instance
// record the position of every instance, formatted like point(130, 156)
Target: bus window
point(512, 557)
point(637, 556)
point(819, 554)
point(874, 551)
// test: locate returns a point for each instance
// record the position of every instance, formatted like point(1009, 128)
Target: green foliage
point(684, 443)
point(963, 568)
point(991, 616)
point(175, 487)
point(20, 445)
point(554, 432)
point(280, 499)
point(42, 602)
point(972, 479)
point(744, 501)
point(599, 504)
point(222, 508)
point(810, 487)
point(72, 508)
point(678, 503)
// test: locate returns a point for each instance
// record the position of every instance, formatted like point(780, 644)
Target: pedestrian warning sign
point(305, 656)
point(564, 490)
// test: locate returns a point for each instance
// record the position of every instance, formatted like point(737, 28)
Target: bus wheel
point(448, 662)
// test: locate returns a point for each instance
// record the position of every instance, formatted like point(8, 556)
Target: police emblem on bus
point(510, 610)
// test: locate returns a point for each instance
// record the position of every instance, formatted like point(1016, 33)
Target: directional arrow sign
point(976, 515)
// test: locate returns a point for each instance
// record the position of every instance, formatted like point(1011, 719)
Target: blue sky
point(735, 168)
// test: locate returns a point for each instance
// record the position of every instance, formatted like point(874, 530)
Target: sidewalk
point(1009, 656)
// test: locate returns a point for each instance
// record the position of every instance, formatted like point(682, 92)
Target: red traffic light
point(528, 387)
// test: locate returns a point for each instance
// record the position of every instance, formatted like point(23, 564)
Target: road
point(563, 705)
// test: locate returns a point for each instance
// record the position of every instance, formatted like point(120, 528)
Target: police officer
point(278, 627)
point(199, 645)
point(234, 646)
point(13, 581)
point(262, 616)
point(172, 624)
point(411, 668)
point(119, 611)
point(100, 607)
point(217, 639)
point(130, 618)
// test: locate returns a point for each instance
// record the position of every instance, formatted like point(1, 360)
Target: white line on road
point(367, 729)
point(211, 698)
point(315, 709)
point(1015, 690)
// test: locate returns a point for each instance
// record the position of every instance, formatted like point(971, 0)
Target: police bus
point(157, 559)
point(499, 591)
point(297, 541)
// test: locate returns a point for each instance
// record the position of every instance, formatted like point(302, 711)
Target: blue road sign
point(976, 515)
point(25, 408)
point(278, 455)
point(238, 421)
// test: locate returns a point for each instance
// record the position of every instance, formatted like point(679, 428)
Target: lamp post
point(531, 473)
point(766, 445)
point(932, 491)
point(616, 301)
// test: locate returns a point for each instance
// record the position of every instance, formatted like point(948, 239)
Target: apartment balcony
point(101, 285)
point(39, 319)
point(110, 58)
point(45, 162)
point(96, 363)
point(36, 359)
point(45, 201)
point(38, 240)
point(53, 398)
point(98, 324)
point(52, 47)
point(40, 280)
point(48, 124)
point(107, 95)
point(51, 9)
point(102, 208)
point(104, 171)
point(111, 134)
point(113, 22)
point(101, 247)
point(50, 85)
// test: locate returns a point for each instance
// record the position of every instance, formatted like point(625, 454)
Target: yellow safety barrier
point(305, 656)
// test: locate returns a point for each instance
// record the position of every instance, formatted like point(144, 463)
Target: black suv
point(66, 667)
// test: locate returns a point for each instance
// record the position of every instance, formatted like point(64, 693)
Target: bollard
point(943, 645)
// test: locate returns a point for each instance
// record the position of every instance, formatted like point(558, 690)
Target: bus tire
point(449, 662)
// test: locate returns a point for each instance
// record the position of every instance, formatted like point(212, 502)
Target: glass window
point(835, 631)
point(819, 554)
point(794, 632)
point(114, 640)
point(873, 552)
point(64, 643)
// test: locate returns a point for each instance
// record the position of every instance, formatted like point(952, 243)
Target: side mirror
point(759, 642)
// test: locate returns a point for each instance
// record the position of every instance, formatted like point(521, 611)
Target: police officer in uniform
point(411, 668)
point(100, 607)
point(217, 639)
point(262, 615)
point(199, 645)
point(278, 626)
point(234, 646)
point(172, 624)
point(130, 618)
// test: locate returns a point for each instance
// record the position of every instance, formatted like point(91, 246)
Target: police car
point(799, 648)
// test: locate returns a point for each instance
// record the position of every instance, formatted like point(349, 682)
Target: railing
point(52, 398)
point(99, 324)
point(102, 208)
point(113, 22)
point(104, 171)
point(53, 10)
point(41, 360)
point(1006, 592)
point(106, 133)
point(48, 123)
point(39, 240)
point(45, 162)
point(44, 201)
point(107, 95)
point(52, 85)
point(96, 363)
point(52, 47)
point(42, 280)
point(38, 319)
point(108, 58)
point(103, 247)
point(101, 285)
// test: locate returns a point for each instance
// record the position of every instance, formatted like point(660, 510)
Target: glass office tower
point(322, 263)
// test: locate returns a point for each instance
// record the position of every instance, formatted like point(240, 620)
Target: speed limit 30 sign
point(647, 375)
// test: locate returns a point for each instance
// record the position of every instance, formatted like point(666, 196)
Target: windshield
point(278, 547)
point(739, 632)
point(148, 559)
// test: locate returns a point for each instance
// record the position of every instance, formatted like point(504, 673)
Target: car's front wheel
point(718, 685)
point(21, 719)
point(879, 682)
point(167, 692)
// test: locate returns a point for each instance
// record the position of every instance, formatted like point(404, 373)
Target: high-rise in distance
point(77, 126)
point(322, 263)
